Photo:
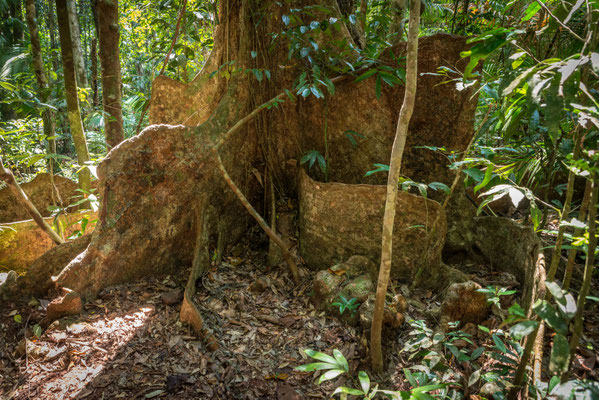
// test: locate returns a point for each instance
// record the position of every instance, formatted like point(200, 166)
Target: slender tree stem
point(401, 135)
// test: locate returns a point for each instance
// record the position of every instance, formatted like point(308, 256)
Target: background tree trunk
point(108, 36)
point(52, 32)
point(76, 42)
point(17, 13)
point(401, 135)
point(94, 70)
point(71, 94)
point(42, 81)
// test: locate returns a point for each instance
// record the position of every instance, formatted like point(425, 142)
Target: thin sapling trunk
point(399, 143)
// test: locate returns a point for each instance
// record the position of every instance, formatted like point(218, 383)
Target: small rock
point(463, 303)
point(8, 282)
point(69, 304)
point(391, 317)
point(258, 286)
point(400, 303)
point(359, 288)
point(358, 265)
point(325, 286)
point(172, 297)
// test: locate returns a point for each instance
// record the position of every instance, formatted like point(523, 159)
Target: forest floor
point(130, 344)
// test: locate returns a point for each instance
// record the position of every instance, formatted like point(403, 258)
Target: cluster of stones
point(355, 279)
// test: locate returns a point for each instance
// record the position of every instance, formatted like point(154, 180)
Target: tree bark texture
point(71, 94)
point(94, 71)
point(40, 75)
point(162, 192)
point(401, 134)
point(108, 37)
point(76, 41)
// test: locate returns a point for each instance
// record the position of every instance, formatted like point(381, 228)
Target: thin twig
point(559, 21)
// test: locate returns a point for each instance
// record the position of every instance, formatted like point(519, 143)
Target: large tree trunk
point(108, 36)
point(164, 203)
point(71, 94)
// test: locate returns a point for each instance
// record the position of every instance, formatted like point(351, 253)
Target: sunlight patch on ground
point(73, 373)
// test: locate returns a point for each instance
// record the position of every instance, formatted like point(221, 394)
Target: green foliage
point(494, 293)
point(314, 156)
point(338, 365)
point(344, 303)
point(335, 366)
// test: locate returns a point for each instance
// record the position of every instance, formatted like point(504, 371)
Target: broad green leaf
point(530, 12)
point(560, 354)
point(550, 315)
point(486, 179)
point(477, 353)
point(553, 383)
point(364, 381)
point(332, 374)
point(366, 74)
point(315, 367)
point(523, 329)
point(410, 377)
point(499, 343)
point(439, 186)
point(347, 390)
point(320, 356)
point(556, 292)
point(341, 361)
point(37, 330)
point(474, 377)
point(422, 396)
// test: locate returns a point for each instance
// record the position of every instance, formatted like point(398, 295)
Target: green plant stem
point(556, 255)
point(588, 273)
point(584, 207)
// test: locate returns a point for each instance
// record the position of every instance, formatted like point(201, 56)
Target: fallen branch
point(271, 234)
point(7, 176)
